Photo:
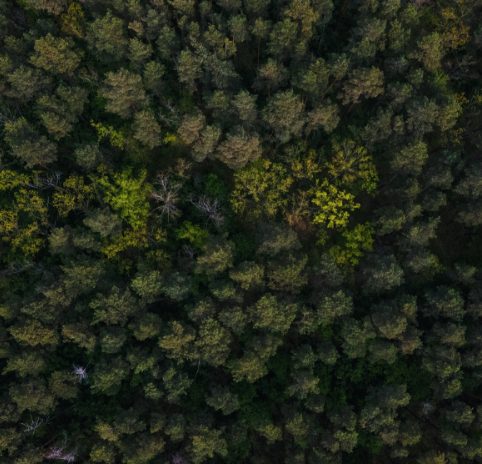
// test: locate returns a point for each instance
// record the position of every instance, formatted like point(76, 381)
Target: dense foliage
point(240, 231)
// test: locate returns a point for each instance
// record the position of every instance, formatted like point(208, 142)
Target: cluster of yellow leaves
point(334, 206)
point(131, 238)
point(170, 138)
point(261, 188)
point(8, 222)
point(74, 194)
point(116, 138)
point(350, 170)
point(310, 191)
point(306, 167)
point(22, 213)
point(10, 179)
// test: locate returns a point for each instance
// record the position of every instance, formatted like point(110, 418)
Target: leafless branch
point(50, 181)
point(166, 196)
point(81, 373)
point(60, 454)
point(210, 208)
point(33, 425)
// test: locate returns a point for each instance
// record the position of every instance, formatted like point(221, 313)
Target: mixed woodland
point(241, 231)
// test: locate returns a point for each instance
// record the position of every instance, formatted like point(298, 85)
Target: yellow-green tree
point(356, 241)
point(352, 165)
point(333, 206)
point(261, 189)
point(128, 195)
point(23, 214)
point(74, 194)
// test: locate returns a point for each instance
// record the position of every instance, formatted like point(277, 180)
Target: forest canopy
point(240, 231)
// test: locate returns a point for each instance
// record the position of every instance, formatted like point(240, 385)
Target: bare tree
point(51, 180)
point(210, 208)
point(33, 425)
point(81, 373)
point(166, 195)
point(60, 454)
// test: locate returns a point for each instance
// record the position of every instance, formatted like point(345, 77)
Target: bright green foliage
point(306, 166)
point(128, 195)
point(357, 241)
point(115, 137)
point(192, 233)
